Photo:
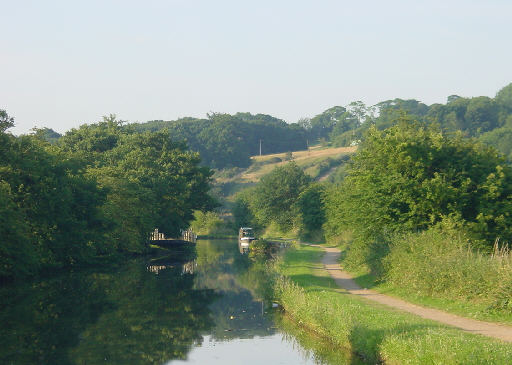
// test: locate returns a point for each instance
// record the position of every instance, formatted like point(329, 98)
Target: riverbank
point(372, 331)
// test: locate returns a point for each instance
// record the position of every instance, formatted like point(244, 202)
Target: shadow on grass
point(366, 342)
point(366, 280)
point(310, 281)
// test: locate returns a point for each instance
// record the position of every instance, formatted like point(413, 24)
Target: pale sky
point(65, 63)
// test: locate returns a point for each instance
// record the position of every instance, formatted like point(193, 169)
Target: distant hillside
point(486, 118)
point(318, 162)
point(315, 162)
point(225, 140)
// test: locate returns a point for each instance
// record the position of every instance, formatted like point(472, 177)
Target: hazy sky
point(64, 63)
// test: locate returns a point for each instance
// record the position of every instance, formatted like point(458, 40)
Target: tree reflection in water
point(243, 288)
point(148, 312)
point(128, 317)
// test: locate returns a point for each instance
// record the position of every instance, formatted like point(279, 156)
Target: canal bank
point(372, 331)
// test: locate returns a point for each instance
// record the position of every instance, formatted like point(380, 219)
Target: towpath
point(345, 281)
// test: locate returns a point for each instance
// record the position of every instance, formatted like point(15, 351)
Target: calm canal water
point(207, 304)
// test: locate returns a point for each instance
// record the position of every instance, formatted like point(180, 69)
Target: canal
point(202, 304)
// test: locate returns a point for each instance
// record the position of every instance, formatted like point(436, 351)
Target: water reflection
point(130, 316)
point(239, 311)
point(204, 301)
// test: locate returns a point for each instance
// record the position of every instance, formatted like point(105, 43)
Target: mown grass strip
point(374, 332)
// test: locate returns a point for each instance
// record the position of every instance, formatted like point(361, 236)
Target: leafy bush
point(210, 224)
point(274, 199)
point(311, 211)
point(410, 177)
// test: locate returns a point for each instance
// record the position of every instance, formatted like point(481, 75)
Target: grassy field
point(318, 162)
point(306, 159)
point(373, 332)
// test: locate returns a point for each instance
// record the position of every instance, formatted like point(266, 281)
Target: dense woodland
point(93, 195)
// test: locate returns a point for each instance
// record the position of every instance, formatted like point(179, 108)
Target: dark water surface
point(206, 304)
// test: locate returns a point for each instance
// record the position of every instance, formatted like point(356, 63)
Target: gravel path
point(345, 281)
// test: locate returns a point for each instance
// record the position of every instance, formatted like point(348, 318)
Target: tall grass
point(437, 264)
point(374, 332)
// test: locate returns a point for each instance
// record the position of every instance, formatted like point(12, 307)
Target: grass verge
point(435, 270)
point(372, 331)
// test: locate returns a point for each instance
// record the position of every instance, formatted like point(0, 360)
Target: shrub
point(273, 160)
point(210, 224)
point(410, 177)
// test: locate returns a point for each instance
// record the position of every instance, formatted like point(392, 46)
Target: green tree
point(17, 256)
point(275, 197)
point(225, 140)
point(323, 124)
point(504, 98)
point(311, 208)
point(410, 177)
point(242, 212)
point(6, 121)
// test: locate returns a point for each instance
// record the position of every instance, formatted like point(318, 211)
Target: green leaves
point(275, 197)
point(409, 177)
point(98, 191)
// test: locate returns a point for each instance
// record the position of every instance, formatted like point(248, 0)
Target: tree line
point(94, 194)
point(409, 177)
point(485, 118)
point(225, 140)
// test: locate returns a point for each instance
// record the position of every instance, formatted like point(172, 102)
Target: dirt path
point(345, 281)
point(328, 173)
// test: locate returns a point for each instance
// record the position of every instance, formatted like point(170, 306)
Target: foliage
point(97, 192)
point(391, 110)
point(152, 181)
point(210, 224)
point(410, 177)
point(337, 121)
point(311, 209)
point(225, 140)
point(501, 139)
point(275, 197)
point(474, 117)
point(56, 205)
point(46, 134)
point(6, 121)
point(16, 254)
point(242, 212)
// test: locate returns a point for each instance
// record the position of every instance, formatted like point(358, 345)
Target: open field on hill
point(306, 159)
point(315, 151)
point(318, 162)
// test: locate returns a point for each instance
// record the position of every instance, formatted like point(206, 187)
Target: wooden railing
point(187, 235)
